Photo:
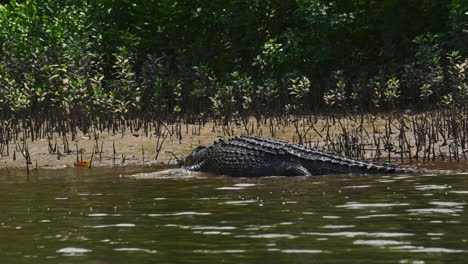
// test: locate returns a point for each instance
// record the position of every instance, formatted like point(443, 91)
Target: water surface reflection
point(202, 218)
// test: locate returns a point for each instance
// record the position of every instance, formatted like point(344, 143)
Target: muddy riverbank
point(370, 138)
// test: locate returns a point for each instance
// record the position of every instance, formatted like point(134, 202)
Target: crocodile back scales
point(249, 155)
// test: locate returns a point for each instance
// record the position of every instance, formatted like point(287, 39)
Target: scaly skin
point(249, 156)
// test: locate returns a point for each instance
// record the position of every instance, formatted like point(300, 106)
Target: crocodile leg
point(198, 167)
point(294, 169)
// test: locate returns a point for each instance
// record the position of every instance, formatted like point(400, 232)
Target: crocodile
point(252, 156)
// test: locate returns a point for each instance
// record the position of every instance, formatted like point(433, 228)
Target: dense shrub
point(88, 61)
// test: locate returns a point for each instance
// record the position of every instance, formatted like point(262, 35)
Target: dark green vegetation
point(69, 65)
point(84, 60)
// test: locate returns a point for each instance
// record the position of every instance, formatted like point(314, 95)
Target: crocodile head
point(195, 157)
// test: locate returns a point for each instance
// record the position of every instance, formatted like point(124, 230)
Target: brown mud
point(134, 152)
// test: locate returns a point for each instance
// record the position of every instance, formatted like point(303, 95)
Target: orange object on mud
point(82, 164)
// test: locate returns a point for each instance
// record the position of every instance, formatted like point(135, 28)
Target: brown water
point(117, 216)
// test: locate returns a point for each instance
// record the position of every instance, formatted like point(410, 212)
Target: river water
point(84, 216)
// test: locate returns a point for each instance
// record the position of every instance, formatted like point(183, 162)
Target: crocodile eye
point(200, 148)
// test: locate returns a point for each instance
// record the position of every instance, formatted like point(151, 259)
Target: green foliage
point(299, 91)
point(118, 59)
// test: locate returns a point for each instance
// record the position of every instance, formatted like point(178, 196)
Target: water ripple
point(136, 249)
point(459, 192)
point(435, 234)
point(421, 249)
point(302, 251)
point(434, 210)
point(386, 181)
point(238, 186)
point(214, 227)
point(357, 186)
point(454, 204)
point(380, 242)
point(100, 214)
point(212, 233)
point(431, 187)
point(337, 226)
point(245, 184)
point(205, 251)
point(230, 188)
point(72, 251)
point(331, 216)
point(116, 225)
point(358, 233)
point(272, 236)
point(241, 202)
point(375, 215)
point(402, 177)
point(355, 205)
point(180, 214)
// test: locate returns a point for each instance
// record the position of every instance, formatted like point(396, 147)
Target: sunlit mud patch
point(170, 174)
